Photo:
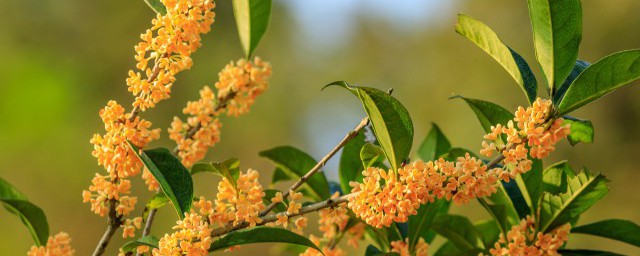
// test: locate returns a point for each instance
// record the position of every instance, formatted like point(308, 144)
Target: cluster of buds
point(58, 245)
point(522, 239)
point(402, 247)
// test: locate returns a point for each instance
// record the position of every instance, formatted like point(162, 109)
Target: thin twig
point(320, 164)
point(114, 222)
point(155, 71)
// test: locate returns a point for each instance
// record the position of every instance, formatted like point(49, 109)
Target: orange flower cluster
point(193, 237)
point(58, 245)
point(388, 197)
point(530, 127)
point(332, 222)
point(292, 208)
point(169, 43)
point(238, 85)
point(402, 247)
point(239, 202)
point(522, 240)
point(129, 227)
point(326, 250)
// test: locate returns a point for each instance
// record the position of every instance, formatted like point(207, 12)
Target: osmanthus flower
point(237, 203)
point(402, 247)
point(58, 245)
point(326, 250)
point(192, 237)
point(241, 82)
point(129, 227)
point(169, 44)
point(523, 240)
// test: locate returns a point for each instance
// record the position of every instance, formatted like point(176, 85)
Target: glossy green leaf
point(555, 178)
point(481, 35)
point(620, 230)
point(516, 196)
point(174, 179)
point(488, 113)
point(601, 78)
point(229, 169)
point(157, 6)
point(279, 175)
point(581, 130)
point(157, 201)
point(557, 32)
point(350, 167)
point(269, 194)
point(260, 235)
point(252, 20)
point(371, 154)
point(531, 183)
point(31, 215)
point(583, 191)
point(390, 121)
point(575, 72)
point(434, 145)
point(131, 246)
point(296, 164)
point(566, 252)
point(420, 224)
point(489, 231)
point(459, 231)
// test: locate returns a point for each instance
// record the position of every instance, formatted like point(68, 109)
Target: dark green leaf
point(489, 114)
point(481, 35)
point(252, 19)
point(517, 198)
point(531, 183)
point(390, 121)
point(601, 78)
point(581, 130)
point(269, 194)
point(490, 232)
point(434, 145)
point(350, 167)
point(31, 215)
point(420, 224)
point(566, 252)
point(621, 230)
point(131, 246)
point(374, 251)
point(157, 6)
point(174, 179)
point(557, 32)
point(279, 175)
point(454, 153)
point(371, 154)
point(554, 178)
point(296, 164)
point(260, 235)
point(575, 72)
point(583, 191)
point(459, 231)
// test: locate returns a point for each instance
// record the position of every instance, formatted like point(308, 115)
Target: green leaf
point(420, 224)
point(531, 183)
point(489, 230)
point(279, 175)
point(575, 72)
point(174, 179)
point(260, 235)
point(583, 191)
point(157, 201)
point(157, 6)
point(517, 198)
point(296, 164)
point(269, 194)
point(252, 19)
point(454, 153)
point(434, 145)
point(557, 32)
point(481, 35)
point(131, 246)
point(555, 178)
point(620, 230)
point(458, 230)
point(31, 215)
point(371, 154)
point(390, 121)
point(450, 248)
point(374, 251)
point(581, 130)
point(350, 167)
point(566, 252)
point(229, 169)
point(601, 78)
point(488, 113)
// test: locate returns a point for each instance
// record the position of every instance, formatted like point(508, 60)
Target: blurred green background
point(63, 60)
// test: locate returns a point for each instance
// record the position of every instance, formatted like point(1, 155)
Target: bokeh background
point(63, 60)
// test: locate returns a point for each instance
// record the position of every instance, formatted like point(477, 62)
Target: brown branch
point(114, 222)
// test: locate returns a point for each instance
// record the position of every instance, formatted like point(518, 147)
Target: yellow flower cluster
point(387, 197)
point(169, 43)
point(193, 237)
point(402, 247)
point(531, 127)
point(129, 227)
point(523, 240)
point(239, 203)
point(292, 208)
point(238, 85)
point(58, 245)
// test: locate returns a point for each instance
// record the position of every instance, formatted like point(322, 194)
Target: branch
point(114, 223)
point(320, 164)
point(154, 74)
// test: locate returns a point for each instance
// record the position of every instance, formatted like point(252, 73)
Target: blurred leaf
point(374, 251)
point(488, 113)
point(371, 154)
point(350, 167)
point(260, 235)
point(157, 201)
point(620, 230)
point(157, 6)
point(420, 224)
point(31, 215)
point(131, 246)
point(583, 191)
point(557, 32)
point(252, 20)
point(279, 175)
point(601, 78)
point(459, 231)
point(335, 187)
point(489, 230)
point(567, 252)
point(271, 193)
point(390, 121)
point(434, 145)
point(454, 153)
point(296, 164)
point(481, 35)
point(581, 130)
point(174, 179)
point(575, 72)
point(229, 169)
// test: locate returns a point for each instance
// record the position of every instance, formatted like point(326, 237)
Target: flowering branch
point(114, 222)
